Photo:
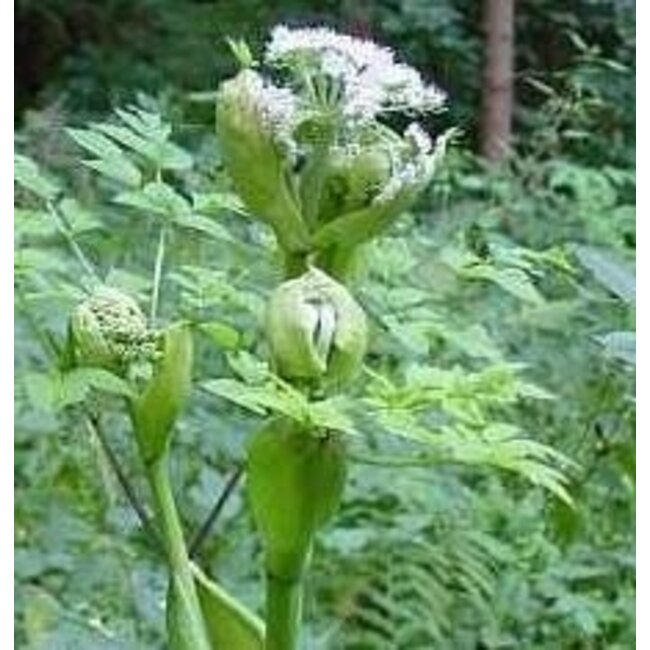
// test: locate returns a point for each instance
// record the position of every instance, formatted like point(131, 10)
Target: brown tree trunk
point(496, 112)
point(359, 21)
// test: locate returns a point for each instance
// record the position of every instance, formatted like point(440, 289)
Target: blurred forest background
point(520, 266)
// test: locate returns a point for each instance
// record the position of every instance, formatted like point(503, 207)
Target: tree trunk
point(359, 22)
point(496, 113)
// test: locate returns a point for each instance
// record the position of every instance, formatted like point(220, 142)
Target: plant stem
point(423, 460)
point(197, 541)
point(177, 557)
point(284, 612)
point(96, 429)
point(74, 247)
point(312, 182)
point(157, 273)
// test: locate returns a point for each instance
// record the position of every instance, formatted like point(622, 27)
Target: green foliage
point(501, 345)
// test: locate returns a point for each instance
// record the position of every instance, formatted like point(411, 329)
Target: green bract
point(352, 180)
point(316, 330)
point(373, 199)
point(156, 410)
point(254, 127)
point(295, 483)
point(110, 331)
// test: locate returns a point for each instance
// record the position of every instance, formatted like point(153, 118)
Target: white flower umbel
point(307, 141)
point(372, 81)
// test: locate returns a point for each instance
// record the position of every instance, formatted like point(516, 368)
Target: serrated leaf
point(475, 341)
point(203, 225)
point(126, 137)
point(55, 390)
point(261, 399)
point(620, 345)
point(36, 259)
point(248, 367)
point(332, 414)
point(214, 203)
point(28, 175)
point(145, 123)
point(77, 218)
point(148, 136)
point(515, 282)
point(614, 274)
point(171, 156)
point(70, 388)
point(413, 335)
point(41, 390)
point(237, 393)
point(222, 334)
point(33, 223)
point(95, 143)
point(157, 197)
point(121, 170)
point(106, 381)
point(111, 161)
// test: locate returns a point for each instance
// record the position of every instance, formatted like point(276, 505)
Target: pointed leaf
point(614, 274)
point(230, 625)
point(28, 175)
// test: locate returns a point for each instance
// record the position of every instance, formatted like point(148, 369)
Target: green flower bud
point(414, 159)
point(353, 180)
point(110, 331)
point(317, 331)
point(255, 125)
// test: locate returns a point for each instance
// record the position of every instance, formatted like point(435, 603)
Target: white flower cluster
point(414, 169)
point(322, 98)
point(373, 82)
point(418, 139)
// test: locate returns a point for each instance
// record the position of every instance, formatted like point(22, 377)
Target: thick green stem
point(283, 613)
point(177, 556)
point(295, 482)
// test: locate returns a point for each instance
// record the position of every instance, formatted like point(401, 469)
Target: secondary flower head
point(110, 331)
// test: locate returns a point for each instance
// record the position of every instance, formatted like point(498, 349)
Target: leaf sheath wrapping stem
point(295, 484)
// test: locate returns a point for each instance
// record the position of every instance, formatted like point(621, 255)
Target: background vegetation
point(513, 281)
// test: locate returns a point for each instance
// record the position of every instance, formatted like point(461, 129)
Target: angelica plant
point(306, 137)
point(312, 156)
